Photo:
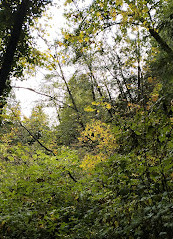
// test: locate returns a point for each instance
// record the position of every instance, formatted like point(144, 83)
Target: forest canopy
point(105, 170)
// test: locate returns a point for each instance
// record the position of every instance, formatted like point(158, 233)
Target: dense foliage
point(106, 170)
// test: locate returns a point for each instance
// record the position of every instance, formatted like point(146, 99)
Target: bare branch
point(43, 94)
point(43, 146)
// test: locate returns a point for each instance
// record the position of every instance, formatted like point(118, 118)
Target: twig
point(72, 177)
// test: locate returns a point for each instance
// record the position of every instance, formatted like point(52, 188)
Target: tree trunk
point(161, 42)
point(72, 98)
point(124, 79)
point(12, 45)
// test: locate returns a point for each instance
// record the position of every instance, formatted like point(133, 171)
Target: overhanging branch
point(43, 94)
point(42, 145)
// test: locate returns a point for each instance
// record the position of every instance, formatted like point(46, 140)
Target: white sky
point(27, 98)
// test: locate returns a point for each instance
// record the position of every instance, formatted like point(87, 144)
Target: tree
point(17, 17)
point(119, 19)
point(70, 124)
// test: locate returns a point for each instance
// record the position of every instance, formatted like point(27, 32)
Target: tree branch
point(43, 146)
point(161, 42)
point(43, 94)
point(72, 177)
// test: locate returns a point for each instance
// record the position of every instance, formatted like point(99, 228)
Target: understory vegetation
point(105, 170)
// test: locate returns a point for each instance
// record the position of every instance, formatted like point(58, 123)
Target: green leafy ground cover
point(128, 195)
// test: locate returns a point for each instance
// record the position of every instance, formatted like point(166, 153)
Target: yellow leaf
point(66, 36)
point(119, 2)
point(108, 106)
point(86, 39)
point(155, 97)
point(95, 103)
point(150, 79)
point(98, 14)
point(60, 43)
point(67, 2)
point(89, 109)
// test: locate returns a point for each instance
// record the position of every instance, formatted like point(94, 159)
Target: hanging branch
point(153, 32)
point(39, 93)
point(161, 42)
point(71, 176)
point(43, 146)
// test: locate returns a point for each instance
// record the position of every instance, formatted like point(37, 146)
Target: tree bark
point(12, 45)
point(161, 42)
